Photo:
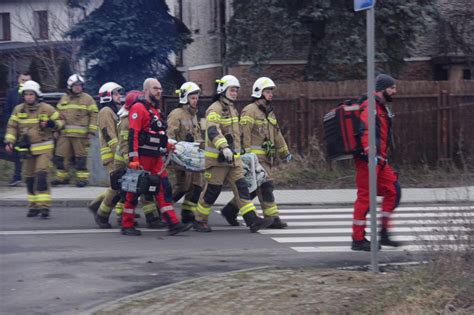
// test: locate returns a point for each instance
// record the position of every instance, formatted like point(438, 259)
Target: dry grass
point(443, 285)
point(312, 171)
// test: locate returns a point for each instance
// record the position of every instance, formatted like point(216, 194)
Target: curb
point(128, 297)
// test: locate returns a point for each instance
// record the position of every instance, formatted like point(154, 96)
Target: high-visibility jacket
point(183, 124)
point(259, 124)
point(222, 130)
point(121, 153)
point(80, 112)
point(107, 120)
point(24, 127)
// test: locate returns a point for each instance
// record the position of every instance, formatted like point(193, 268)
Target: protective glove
point(9, 147)
point(228, 155)
point(134, 165)
point(288, 158)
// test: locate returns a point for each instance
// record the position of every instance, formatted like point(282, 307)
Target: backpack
point(342, 131)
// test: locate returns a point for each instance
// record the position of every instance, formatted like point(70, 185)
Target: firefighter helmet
point(73, 79)
point(31, 85)
point(106, 90)
point(226, 82)
point(186, 89)
point(261, 84)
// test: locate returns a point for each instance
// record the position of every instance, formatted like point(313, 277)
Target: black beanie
point(383, 81)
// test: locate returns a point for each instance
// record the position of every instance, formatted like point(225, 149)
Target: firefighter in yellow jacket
point(30, 131)
point(183, 125)
point(109, 97)
point(261, 135)
point(222, 159)
point(80, 112)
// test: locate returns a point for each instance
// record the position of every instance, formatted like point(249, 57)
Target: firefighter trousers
point(265, 194)
point(35, 172)
point(71, 149)
point(387, 186)
point(163, 198)
point(189, 185)
point(215, 177)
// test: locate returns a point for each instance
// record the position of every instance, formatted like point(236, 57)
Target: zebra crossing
point(318, 230)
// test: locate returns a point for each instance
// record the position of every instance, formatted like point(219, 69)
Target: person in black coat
point(14, 98)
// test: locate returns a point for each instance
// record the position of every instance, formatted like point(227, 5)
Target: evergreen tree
point(128, 41)
point(328, 32)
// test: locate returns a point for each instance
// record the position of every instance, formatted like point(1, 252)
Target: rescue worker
point(183, 125)
point(222, 159)
point(80, 112)
point(147, 142)
point(30, 131)
point(109, 97)
point(387, 180)
point(152, 216)
point(262, 135)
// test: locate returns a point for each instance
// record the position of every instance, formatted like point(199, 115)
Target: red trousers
point(387, 186)
point(163, 197)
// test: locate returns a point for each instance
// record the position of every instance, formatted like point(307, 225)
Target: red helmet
point(131, 98)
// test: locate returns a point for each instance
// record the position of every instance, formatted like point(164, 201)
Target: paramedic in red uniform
point(147, 142)
point(387, 180)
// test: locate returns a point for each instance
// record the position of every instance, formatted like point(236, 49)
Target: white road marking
point(347, 248)
point(101, 231)
point(349, 230)
point(425, 222)
point(326, 239)
point(395, 215)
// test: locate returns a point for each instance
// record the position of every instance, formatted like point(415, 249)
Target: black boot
point(187, 216)
point(44, 213)
point(230, 212)
point(363, 245)
point(94, 206)
point(278, 224)
point(201, 226)
point(131, 231)
point(32, 213)
point(255, 222)
point(385, 239)
point(102, 222)
point(82, 183)
point(153, 222)
point(179, 227)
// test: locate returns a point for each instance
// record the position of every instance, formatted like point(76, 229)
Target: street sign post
point(369, 6)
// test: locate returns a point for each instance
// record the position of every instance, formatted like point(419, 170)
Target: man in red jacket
point(387, 180)
point(147, 142)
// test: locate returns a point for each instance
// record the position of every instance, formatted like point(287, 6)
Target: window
point(41, 24)
point(5, 33)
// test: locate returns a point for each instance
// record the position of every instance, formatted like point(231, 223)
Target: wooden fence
point(433, 124)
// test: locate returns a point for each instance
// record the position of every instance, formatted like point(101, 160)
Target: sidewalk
point(71, 196)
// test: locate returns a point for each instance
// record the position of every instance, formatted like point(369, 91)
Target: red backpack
point(342, 131)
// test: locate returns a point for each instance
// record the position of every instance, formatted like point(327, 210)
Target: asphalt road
point(65, 265)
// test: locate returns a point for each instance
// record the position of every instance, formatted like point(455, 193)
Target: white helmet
point(106, 90)
point(31, 85)
point(261, 84)
point(226, 82)
point(75, 78)
point(186, 89)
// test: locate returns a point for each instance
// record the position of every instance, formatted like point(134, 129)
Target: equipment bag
point(341, 131)
point(132, 180)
